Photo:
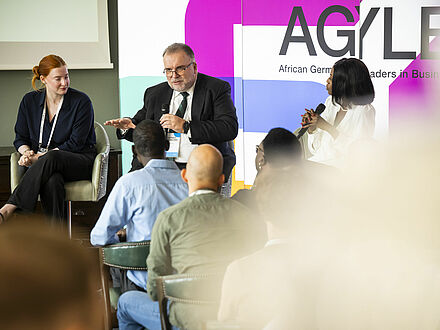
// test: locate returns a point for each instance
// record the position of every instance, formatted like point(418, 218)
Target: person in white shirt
point(348, 118)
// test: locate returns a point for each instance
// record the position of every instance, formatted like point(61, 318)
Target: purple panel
point(209, 25)
point(277, 12)
point(209, 31)
point(416, 92)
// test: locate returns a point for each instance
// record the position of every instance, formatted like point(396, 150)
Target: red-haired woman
point(55, 137)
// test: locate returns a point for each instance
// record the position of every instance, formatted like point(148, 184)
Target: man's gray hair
point(176, 47)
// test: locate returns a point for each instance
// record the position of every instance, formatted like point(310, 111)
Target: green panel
point(132, 91)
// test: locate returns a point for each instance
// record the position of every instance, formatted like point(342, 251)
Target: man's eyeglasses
point(258, 148)
point(179, 70)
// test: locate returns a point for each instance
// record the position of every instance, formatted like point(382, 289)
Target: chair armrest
point(100, 166)
point(99, 175)
point(16, 171)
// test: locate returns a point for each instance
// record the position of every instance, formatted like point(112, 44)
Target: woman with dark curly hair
point(349, 116)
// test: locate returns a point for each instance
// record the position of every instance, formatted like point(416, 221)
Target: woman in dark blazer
point(55, 137)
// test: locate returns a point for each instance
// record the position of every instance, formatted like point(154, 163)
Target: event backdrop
point(278, 54)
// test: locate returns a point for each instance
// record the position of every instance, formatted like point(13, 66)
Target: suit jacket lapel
point(168, 95)
point(198, 98)
point(164, 98)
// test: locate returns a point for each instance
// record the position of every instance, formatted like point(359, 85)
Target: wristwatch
point(186, 127)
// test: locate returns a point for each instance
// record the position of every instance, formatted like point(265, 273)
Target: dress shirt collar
point(190, 91)
point(164, 163)
point(202, 192)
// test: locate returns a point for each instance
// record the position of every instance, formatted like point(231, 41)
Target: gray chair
point(83, 190)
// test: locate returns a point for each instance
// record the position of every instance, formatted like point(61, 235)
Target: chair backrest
point(102, 141)
point(194, 289)
point(100, 167)
point(129, 255)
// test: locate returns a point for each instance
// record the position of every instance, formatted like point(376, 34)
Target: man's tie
point(182, 107)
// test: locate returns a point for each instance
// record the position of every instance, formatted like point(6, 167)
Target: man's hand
point(122, 234)
point(172, 122)
point(122, 123)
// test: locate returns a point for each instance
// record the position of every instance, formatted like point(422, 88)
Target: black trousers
point(121, 280)
point(46, 178)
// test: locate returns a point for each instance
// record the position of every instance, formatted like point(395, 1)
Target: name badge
point(174, 139)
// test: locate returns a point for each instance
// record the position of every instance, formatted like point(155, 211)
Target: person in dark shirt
point(280, 149)
point(56, 139)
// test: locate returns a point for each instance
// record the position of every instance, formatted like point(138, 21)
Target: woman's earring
point(260, 165)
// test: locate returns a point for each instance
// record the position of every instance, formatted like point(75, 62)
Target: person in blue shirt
point(56, 139)
point(139, 196)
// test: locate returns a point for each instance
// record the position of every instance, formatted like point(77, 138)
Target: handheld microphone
point(165, 108)
point(319, 109)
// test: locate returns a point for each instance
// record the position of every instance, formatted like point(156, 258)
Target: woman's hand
point(310, 120)
point(24, 161)
point(35, 157)
point(313, 121)
point(26, 158)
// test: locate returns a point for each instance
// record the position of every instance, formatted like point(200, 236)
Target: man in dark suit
point(200, 108)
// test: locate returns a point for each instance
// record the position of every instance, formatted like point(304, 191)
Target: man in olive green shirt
point(200, 235)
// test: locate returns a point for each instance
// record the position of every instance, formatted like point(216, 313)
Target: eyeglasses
point(258, 148)
point(179, 70)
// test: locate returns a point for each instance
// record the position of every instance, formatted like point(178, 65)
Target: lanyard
point(43, 117)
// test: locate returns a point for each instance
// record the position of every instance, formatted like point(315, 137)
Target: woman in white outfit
point(349, 116)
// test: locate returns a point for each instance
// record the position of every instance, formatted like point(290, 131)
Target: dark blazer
point(74, 130)
point(213, 117)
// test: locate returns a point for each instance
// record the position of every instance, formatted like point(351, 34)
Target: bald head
point(204, 168)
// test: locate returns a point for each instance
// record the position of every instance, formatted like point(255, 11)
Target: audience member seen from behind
point(56, 139)
point(257, 288)
point(200, 235)
point(47, 282)
point(349, 116)
point(280, 149)
point(138, 197)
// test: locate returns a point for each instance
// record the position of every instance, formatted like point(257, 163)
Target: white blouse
point(358, 124)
